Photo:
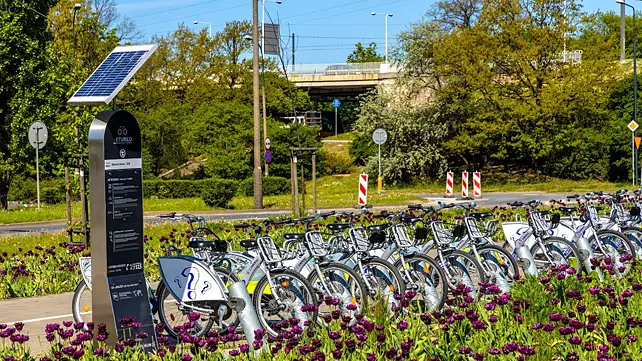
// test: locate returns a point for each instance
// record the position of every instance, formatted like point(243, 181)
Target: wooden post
point(296, 190)
point(292, 181)
point(303, 208)
point(68, 201)
point(314, 182)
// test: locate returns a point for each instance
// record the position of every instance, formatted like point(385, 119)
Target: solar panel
point(112, 75)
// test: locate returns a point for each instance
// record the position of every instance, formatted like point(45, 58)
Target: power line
point(350, 12)
point(346, 24)
point(343, 37)
point(326, 9)
point(174, 9)
point(191, 16)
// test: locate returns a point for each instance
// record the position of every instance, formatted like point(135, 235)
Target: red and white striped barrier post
point(449, 184)
point(363, 189)
point(464, 184)
point(477, 184)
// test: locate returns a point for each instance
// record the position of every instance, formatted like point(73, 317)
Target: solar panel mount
point(112, 75)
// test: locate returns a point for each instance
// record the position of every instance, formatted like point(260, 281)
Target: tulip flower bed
point(560, 316)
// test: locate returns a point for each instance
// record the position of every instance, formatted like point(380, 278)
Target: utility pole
point(258, 181)
point(293, 62)
point(622, 31)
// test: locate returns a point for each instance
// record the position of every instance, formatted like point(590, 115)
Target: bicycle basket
point(635, 211)
point(400, 233)
point(359, 239)
point(272, 254)
point(338, 244)
point(444, 235)
point(315, 244)
point(538, 223)
point(593, 217)
point(555, 220)
point(473, 230)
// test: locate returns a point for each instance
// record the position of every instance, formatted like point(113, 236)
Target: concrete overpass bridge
point(340, 80)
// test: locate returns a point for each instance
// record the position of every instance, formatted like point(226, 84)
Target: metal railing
point(573, 57)
point(335, 69)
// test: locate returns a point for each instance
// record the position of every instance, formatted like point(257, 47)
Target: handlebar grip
point(415, 206)
point(516, 204)
point(573, 196)
point(168, 215)
point(244, 225)
point(327, 214)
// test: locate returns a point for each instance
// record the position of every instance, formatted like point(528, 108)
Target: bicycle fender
point(189, 279)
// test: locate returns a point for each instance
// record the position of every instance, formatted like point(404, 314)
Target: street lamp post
point(258, 175)
point(265, 133)
point(386, 16)
point(196, 22)
point(635, 85)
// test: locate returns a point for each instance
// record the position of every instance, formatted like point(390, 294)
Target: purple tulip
point(492, 319)
point(402, 325)
point(575, 340)
point(594, 290)
point(555, 317)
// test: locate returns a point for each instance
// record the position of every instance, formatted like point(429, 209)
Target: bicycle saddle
point(248, 244)
point(410, 219)
point(377, 227)
point(294, 235)
point(480, 215)
point(568, 210)
point(338, 226)
point(214, 246)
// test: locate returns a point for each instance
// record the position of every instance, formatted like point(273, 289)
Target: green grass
point(343, 136)
point(332, 191)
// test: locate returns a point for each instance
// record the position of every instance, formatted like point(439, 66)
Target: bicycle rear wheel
point(383, 280)
point(291, 296)
point(634, 234)
point(618, 247)
point(499, 265)
point(423, 275)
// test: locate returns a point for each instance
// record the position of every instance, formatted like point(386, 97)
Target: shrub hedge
point(221, 194)
point(184, 188)
point(272, 186)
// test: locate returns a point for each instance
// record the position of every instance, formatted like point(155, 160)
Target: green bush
point(272, 186)
point(52, 195)
point(23, 190)
point(219, 192)
point(337, 163)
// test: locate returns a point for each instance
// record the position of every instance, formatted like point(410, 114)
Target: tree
point(365, 55)
point(452, 14)
point(23, 64)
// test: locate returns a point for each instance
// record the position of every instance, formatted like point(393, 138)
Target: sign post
point(336, 104)
point(38, 138)
point(379, 136)
point(116, 177)
point(633, 127)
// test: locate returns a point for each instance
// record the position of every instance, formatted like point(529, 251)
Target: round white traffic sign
point(379, 136)
point(267, 144)
point(38, 135)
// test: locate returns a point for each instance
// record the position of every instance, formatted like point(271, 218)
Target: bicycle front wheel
point(554, 252)
point(383, 280)
point(286, 294)
point(173, 314)
point(617, 247)
point(634, 234)
point(423, 276)
point(500, 266)
point(463, 269)
point(339, 287)
point(81, 304)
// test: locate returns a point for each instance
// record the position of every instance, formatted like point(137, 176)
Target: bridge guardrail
point(336, 69)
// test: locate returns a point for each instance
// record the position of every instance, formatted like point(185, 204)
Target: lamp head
point(195, 21)
point(620, 2)
point(373, 13)
point(390, 15)
point(77, 6)
point(279, 2)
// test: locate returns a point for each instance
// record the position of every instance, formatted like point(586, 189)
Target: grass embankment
point(332, 191)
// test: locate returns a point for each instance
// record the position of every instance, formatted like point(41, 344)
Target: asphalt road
point(488, 200)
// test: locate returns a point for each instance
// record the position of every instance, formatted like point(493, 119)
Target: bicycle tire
point(625, 247)
point(75, 303)
point(394, 276)
point(550, 242)
point(454, 265)
point(440, 284)
point(163, 293)
point(634, 235)
point(512, 266)
point(309, 298)
point(361, 294)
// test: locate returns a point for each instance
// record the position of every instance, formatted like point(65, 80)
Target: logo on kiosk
point(123, 153)
point(122, 137)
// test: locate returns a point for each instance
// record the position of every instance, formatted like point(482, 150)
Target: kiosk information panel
point(120, 295)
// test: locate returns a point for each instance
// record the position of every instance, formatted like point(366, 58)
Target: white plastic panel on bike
point(189, 279)
point(85, 269)
point(513, 231)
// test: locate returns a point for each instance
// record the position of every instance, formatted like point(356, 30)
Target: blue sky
point(326, 30)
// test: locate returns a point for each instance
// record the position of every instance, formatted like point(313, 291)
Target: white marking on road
point(46, 318)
